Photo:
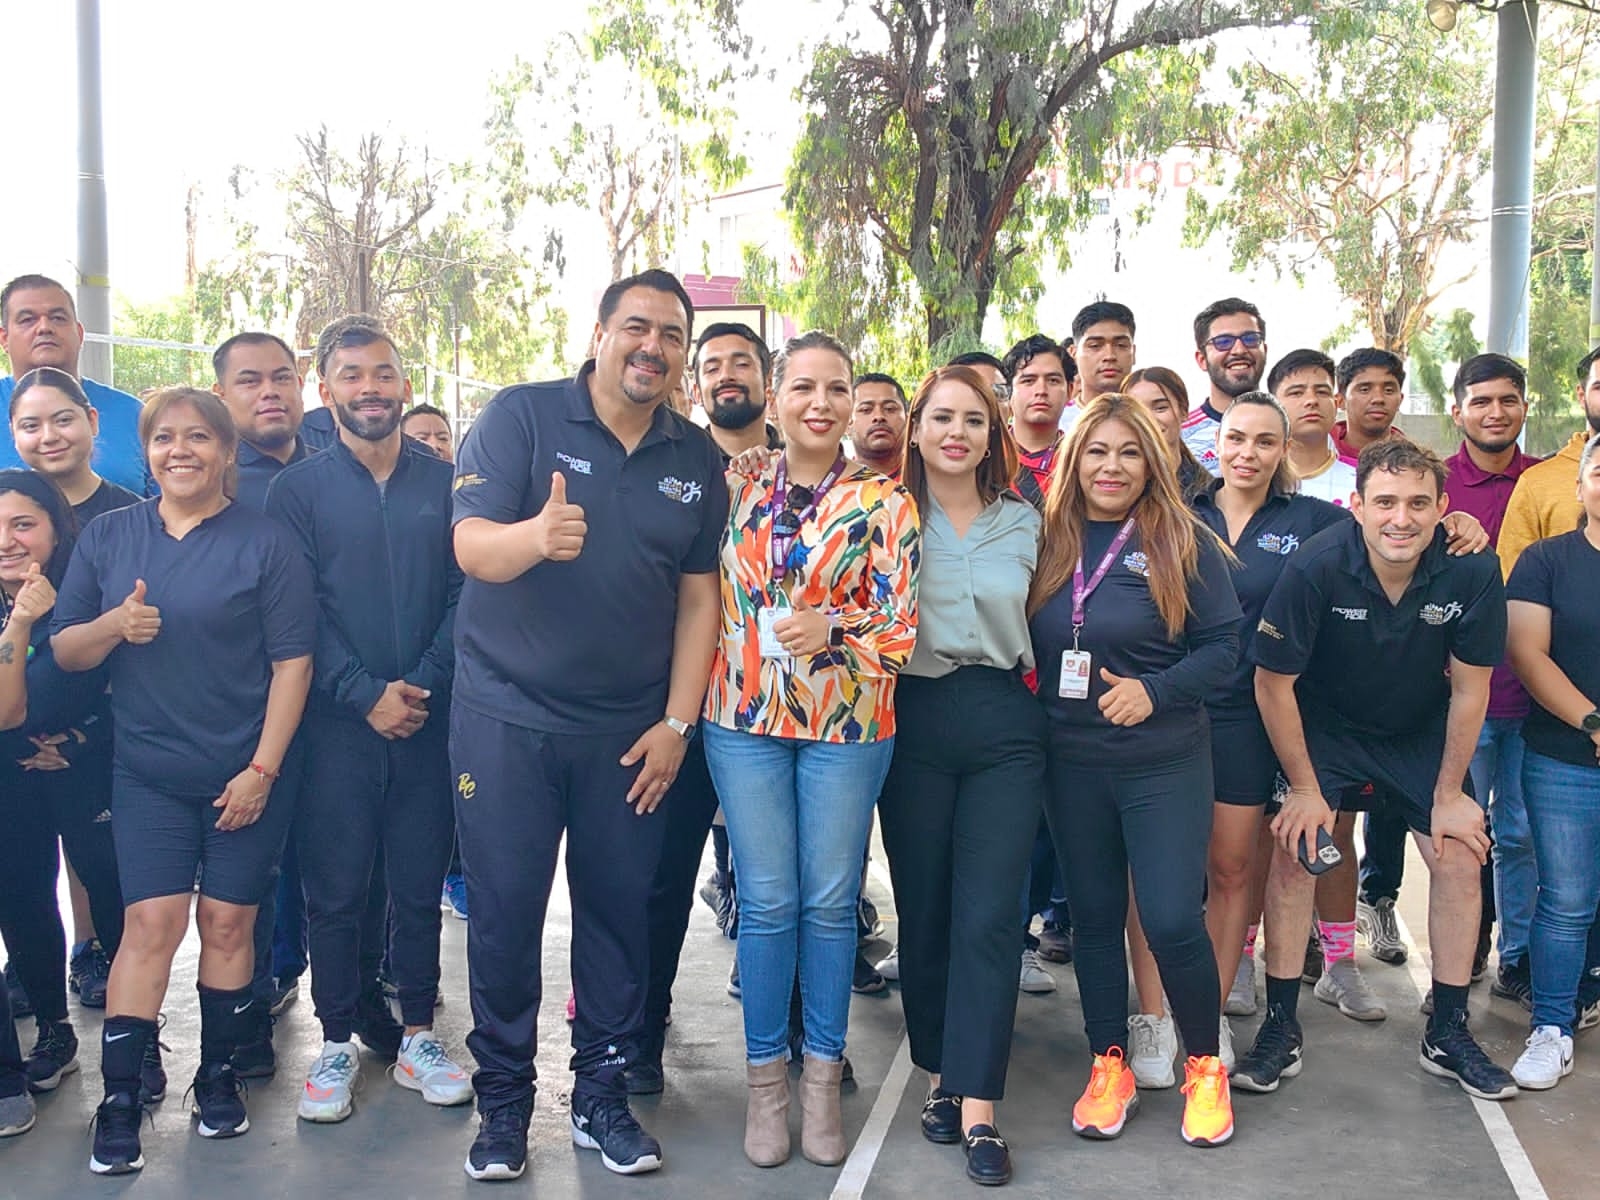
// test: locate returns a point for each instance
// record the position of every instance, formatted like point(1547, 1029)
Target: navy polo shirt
point(1375, 668)
point(118, 455)
point(319, 429)
point(1124, 633)
point(235, 596)
point(1562, 574)
point(1277, 531)
point(583, 646)
point(258, 470)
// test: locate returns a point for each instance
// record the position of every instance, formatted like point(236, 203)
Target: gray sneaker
point(1343, 985)
point(1033, 978)
point(1241, 1000)
point(16, 1114)
point(1376, 923)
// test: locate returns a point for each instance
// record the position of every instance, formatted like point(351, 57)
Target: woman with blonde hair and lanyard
point(818, 616)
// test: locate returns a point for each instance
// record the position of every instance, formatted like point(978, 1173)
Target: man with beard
point(878, 423)
point(588, 519)
point(1230, 345)
point(372, 515)
point(1371, 384)
point(1041, 373)
point(1545, 501)
point(1102, 347)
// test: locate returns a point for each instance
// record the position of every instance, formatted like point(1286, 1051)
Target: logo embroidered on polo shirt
point(470, 479)
point(581, 465)
point(684, 491)
point(1278, 543)
point(466, 785)
point(1440, 614)
point(1138, 562)
point(1271, 630)
point(1351, 614)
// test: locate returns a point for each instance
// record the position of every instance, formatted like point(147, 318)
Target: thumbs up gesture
point(1125, 701)
point(35, 598)
point(140, 621)
point(560, 528)
point(804, 633)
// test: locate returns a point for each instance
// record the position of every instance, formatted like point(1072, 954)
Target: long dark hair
point(42, 490)
point(999, 465)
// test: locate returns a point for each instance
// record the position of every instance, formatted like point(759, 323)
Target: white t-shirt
point(1335, 482)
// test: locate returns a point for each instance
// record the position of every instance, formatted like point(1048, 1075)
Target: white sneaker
point(1225, 1046)
point(424, 1067)
point(1034, 979)
point(1241, 1001)
point(1546, 1061)
point(1152, 1045)
point(889, 966)
point(329, 1093)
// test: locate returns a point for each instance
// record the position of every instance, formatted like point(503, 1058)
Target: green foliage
point(1442, 344)
point(137, 368)
point(941, 165)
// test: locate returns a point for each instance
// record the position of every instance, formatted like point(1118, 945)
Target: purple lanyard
point(781, 544)
point(1081, 591)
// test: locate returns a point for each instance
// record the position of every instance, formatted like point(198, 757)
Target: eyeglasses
point(1223, 342)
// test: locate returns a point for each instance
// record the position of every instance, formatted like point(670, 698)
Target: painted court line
point(1513, 1158)
point(864, 1155)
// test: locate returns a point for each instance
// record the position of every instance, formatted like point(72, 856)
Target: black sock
point(122, 1045)
point(1449, 999)
point(226, 1021)
point(1284, 994)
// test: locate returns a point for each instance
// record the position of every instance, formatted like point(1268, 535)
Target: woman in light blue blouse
point(961, 805)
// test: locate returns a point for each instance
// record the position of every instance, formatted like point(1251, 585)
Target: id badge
point(766, 621)
point(1074, 675)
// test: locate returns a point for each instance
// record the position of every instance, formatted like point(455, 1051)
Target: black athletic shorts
point(1400, 770)
point(164, 840)
point(1243, 765)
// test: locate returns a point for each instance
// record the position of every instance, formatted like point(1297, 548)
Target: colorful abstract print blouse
point(856, 558)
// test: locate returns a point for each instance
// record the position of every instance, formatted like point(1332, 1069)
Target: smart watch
point(835, 633)
point(682, 728)
point(1591, 723)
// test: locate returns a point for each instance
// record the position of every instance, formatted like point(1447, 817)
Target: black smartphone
point(1327, 856)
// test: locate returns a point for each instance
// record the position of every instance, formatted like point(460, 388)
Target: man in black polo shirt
point(588, 518)
point(1381, 592)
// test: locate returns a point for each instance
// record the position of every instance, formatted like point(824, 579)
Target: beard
point(643, 396)
point(370, 429)
point(1495, 447)
point(1230, 386)
point(735, 413)
point(1594, 419)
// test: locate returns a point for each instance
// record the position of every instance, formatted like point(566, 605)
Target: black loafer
point(988, 1156)
point(941, 1117)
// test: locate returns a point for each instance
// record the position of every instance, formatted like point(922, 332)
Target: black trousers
point(687, 812)
point(365, 792)
point(288, 788)
point(517, 791)
point(1154, 818)
point(959, 812)
point(30, 917)
point(79, 801)
point(13, 1082)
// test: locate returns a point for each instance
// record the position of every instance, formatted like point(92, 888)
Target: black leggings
point(1155, 819)
point(30, 917)
point(79, 801)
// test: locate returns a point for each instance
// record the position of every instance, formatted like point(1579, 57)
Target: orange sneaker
point(1208, 1113)
point(1109, 1100)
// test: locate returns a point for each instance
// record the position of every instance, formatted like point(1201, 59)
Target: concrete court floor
point(1362, 1120)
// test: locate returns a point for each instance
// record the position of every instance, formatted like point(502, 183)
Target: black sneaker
point(643, 1076)
point(255, 1058)
point(1514, 982)
point(865, 980)
point(53, 1057)
point(375, 1025)
point(988, 1156)
point(1455, 1054)
point(1274, 1057)
point(941, 1117)
point(219, 1101)
point(1055, 942)
point(284, 993)
point(500, 1151)
point(1311, 969)
point(608, 1126)
point(88, 974)
point(152, 1075)
point(21, 1006)
point(116, 1136)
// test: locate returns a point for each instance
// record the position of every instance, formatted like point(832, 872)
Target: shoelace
point(429, 1053)
point(333, 1070)
point(221, 1086)
point(121, 1118)
point(1203, 1087)
point(506, 1120)
point(1106, 1067)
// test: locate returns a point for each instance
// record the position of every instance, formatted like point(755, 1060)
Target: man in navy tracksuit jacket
point(372, 514)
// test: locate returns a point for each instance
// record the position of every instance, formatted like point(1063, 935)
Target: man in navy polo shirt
point(588, 518)
point(1384, 592)
point(39, 328)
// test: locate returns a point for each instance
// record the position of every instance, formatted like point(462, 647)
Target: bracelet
point(266, 773)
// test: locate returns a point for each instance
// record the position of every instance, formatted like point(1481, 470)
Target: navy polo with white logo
point(583, 646)
point(1376, 668)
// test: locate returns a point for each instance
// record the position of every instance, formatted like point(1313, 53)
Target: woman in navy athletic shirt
point(54, 427)
point(55, 768)
point(206, 615)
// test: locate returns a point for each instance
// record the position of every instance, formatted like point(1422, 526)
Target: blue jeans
point(1497, 778)
point(799, 814)
point(1564, 811)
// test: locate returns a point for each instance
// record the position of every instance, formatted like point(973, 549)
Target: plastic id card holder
point(1074, 675)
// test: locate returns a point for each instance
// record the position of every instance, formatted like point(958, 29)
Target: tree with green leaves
point(665, 73)
point(944, 159)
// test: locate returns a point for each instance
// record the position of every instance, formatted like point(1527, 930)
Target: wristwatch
point(835, 632)
point(1591, 723)
point(682, 728)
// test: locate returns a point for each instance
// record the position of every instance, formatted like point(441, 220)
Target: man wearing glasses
point(992, 371)
point(878, 423)
point(1230, 344)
